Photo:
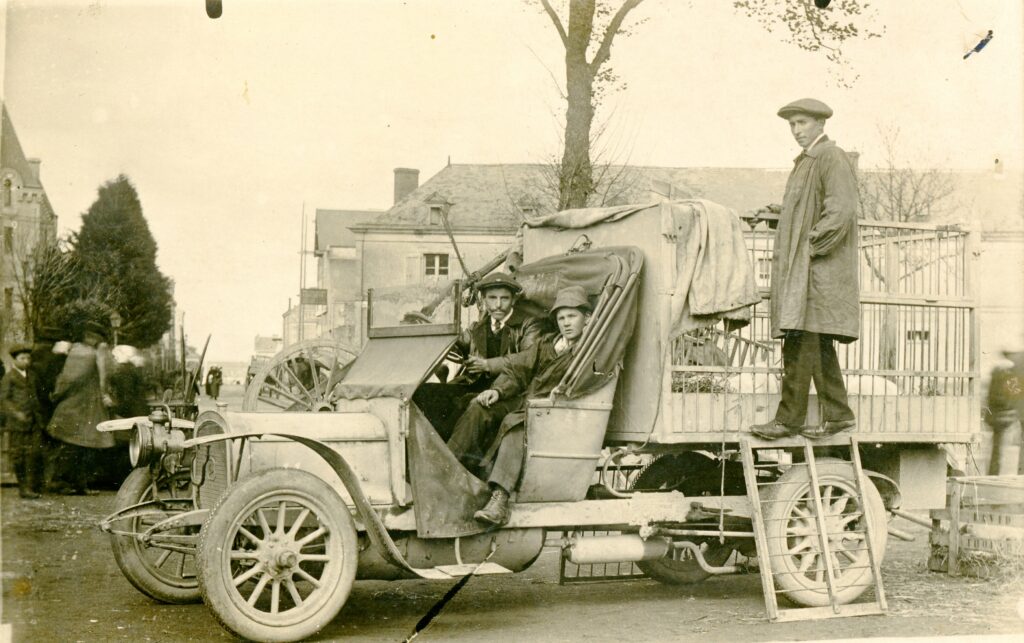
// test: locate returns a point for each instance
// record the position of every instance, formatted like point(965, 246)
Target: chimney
point(406, 180)
point(35, 163)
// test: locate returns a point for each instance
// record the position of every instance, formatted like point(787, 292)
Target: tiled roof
point(491, 197)
point(333, 226)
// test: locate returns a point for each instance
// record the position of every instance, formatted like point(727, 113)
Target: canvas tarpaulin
point(392, 366)
point(609, 277)
point(714, 279)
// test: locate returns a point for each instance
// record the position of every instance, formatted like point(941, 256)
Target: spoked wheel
point(793, 543)
point(299, 378)
point(692, 474)
point(165, 573)
point(278, 556)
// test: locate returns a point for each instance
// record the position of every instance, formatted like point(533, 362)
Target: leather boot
point(496, 511)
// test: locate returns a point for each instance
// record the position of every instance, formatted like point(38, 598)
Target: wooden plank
point(953, 562)
point(760, 536)
point(816, 613)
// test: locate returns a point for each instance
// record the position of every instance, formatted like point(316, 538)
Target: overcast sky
point(228, 126)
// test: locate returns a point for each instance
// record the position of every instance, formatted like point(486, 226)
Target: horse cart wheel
point(694, 475)
point(793, 544)
point(164, 574)
point(299, 378)
point(278, 556)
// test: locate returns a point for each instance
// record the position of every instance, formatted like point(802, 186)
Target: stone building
point(26, 219)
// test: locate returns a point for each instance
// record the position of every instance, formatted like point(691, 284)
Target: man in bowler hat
point(815, 299)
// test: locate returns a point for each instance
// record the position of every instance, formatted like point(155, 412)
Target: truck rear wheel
point(795, 551)
point(278, 556)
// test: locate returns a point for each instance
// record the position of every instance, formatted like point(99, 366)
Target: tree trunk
point(575, 179)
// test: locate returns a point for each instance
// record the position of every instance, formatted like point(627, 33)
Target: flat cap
point(571, 297)
point(498, 280)
point(810, 106)
point(19, 348)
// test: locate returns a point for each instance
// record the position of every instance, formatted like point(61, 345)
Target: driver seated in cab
point(503, 330)
point(490, 437)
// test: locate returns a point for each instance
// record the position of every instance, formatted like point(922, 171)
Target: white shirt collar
point(561, 345)
point(815, 141)
point(23, 373)
point(498, 324)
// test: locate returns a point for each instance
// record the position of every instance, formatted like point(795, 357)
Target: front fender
point(375, 528)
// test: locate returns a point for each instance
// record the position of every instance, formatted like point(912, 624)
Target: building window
point(8, 300)
point(528, 211)
point(764, 269)
point(8, 239)
point(7, 192)
point(436, 265)
point(917, 335)
point(435, 215)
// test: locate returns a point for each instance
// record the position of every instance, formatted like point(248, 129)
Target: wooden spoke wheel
point(797, 560)
point(166, 573)
point(278, 556)
point(300, 378)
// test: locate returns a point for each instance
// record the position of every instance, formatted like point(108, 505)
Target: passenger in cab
point(490, 437)
point(503, 330)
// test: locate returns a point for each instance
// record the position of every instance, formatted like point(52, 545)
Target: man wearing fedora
point(815, 299)
point(484, 348)
point(22, 420)
point(495, 422)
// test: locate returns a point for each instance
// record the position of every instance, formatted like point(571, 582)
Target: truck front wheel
point(277, 556)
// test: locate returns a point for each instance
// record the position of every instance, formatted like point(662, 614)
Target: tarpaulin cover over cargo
point(697, 273)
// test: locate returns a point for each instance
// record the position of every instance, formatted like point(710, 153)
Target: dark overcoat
point(79, 397)
point(815, 267)
point(520, 332)
point(18, 402)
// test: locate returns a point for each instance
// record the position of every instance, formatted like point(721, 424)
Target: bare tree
point(897, 192)
point(44, 278)
point(590, 29)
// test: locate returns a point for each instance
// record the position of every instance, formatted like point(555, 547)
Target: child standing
point(22, 416)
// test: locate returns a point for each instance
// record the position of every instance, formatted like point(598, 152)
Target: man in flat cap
point(815, 299)
point(484, 349)
point(494, 425)
point(22, 420)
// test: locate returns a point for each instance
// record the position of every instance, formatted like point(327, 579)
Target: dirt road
point(60, 583)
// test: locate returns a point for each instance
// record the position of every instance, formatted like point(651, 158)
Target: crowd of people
point(51, 400)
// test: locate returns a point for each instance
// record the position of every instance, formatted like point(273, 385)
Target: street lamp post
point(115, 323)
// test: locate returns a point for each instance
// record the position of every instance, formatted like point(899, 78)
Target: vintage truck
point(270, 517)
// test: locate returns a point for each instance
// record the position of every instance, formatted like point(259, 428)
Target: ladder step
point(815, 545)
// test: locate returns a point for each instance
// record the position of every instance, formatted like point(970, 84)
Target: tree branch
point(605, 50)
point(556, 21)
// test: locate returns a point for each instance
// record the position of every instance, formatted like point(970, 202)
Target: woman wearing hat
point(501, 436)
point(82, 404)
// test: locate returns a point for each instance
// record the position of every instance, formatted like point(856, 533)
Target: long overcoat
point(79, 398)
point(815, 266)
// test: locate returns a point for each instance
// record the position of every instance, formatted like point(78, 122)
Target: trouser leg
point(829, 384)
point(799, 361)
point(476, 430)
point(18, 460)
point(443, 405)
point(508, 463)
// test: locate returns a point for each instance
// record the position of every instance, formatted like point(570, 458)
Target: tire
point(275, 565)
point(796, 557)
point(163, 575)
point(694, 475)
